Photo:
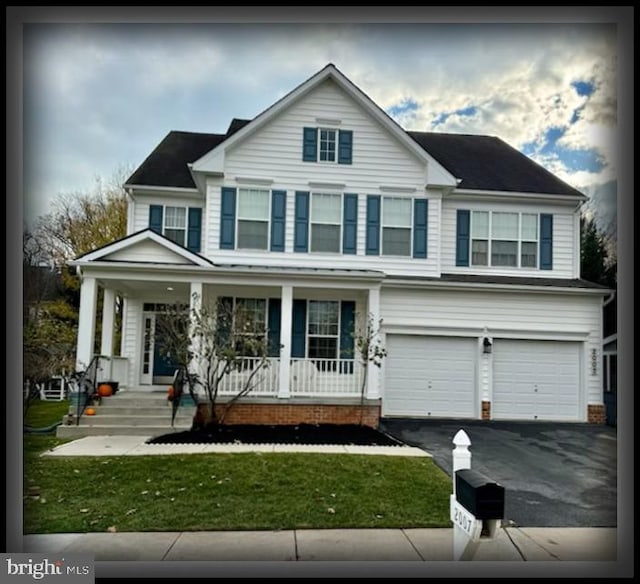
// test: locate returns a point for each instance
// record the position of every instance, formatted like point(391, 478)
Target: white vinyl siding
point(147, 251)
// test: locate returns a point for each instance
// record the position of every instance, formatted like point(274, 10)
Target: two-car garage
point(438, 376)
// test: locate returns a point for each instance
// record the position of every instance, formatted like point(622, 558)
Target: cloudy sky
point(100, 97)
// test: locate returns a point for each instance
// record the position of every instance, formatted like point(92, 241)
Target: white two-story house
point(322, 211)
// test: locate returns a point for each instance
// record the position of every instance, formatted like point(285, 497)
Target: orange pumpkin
point(171, 392)
point(105, 390)
point(90, 412)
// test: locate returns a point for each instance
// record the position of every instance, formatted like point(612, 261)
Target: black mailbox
point(480, 495)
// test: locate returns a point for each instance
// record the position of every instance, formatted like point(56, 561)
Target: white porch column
point(286, 309)
point(373, 380)
point(86, 323)
point(195, 304)
point(108, 318)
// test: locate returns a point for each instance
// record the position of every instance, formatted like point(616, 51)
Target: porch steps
point(130, 413)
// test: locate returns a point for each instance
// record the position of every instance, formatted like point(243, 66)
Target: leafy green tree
point(597, 263)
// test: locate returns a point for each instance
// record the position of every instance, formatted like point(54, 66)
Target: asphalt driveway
point(554, 474)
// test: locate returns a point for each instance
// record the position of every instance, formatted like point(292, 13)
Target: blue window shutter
point(155, 218)
point(345, 146)
point(195, 229)
point(310, 144)
point(420, 217)
point(224, 316)
point(373, 225)
point(301, 223)
point(462, 237)
point(274, 327)
point(299, 328)
point(228, 218)
point(347, 329)
point(350, 228)
point(278, 219)
point(546, 241)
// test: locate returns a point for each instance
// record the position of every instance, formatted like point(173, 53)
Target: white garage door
point(430, 376)
point(535, 380)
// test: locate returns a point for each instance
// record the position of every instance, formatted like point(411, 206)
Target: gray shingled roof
point(481, 162)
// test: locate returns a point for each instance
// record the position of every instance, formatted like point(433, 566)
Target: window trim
point(238, 219)
point(308, 324)
point(410, 227)
point(490, 239)
point(336, 134)
point(340, 197)
point(186, 223)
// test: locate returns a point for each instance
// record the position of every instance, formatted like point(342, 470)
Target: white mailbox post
point(476, 505)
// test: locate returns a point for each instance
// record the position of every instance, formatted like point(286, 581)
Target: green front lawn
point(224, 491)
point(230, 491)
point(42, 414)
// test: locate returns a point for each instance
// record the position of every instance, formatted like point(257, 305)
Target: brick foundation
point(596, 414)
point(285, 414)
point(486, 410)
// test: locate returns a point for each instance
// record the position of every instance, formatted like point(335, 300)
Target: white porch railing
point(309, 378)
point(325, 377)
point(263, 380)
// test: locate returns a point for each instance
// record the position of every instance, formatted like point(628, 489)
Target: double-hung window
point(504, 239)
point(323, 329)
point(327, 145)
point(253, 219)
point(529, 241)
point(396, 226)
point(326, 222)
point(175, 224)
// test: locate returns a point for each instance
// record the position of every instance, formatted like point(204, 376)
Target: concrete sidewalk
point(136, 446)
point(420, 545)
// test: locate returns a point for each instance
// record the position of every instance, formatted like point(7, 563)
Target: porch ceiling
point(147, 289)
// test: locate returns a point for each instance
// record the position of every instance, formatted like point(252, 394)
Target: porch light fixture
point(170, 288)
point(486, 346)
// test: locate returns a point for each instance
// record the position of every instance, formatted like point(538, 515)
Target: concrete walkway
point(420, 545)
point(135, 446)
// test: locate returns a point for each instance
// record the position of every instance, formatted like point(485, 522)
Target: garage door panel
point(535, 380)
point(430, 376)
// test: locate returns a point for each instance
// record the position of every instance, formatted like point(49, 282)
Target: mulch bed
point(300, 434)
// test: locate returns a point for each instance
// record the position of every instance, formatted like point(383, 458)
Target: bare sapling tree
point(370, 352)
point(223, 346)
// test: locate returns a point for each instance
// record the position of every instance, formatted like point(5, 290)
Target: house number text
point(594, 362)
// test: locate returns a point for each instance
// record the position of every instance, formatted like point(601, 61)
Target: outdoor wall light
point(486, 346)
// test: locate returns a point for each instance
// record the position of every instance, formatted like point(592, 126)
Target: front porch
point(310, 318)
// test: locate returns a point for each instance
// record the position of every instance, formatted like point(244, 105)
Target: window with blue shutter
point(301, 222)
point(310, 144)
point(373, 225)
point(420, 218)
point(345, 146)
point(347, 328)
point(155, 218)
point(546, 241)
point(278, 219)
point(228, 218)
point(273, 335)
point(462, 237)
point(194, 229)
point(350, 224)
point(224, 318)
point(299, 328)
